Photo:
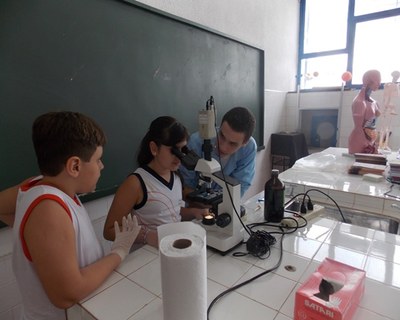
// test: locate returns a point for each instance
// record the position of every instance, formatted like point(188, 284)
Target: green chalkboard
point(121, 64)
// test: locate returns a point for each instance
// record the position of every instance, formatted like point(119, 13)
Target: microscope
point(223, 226)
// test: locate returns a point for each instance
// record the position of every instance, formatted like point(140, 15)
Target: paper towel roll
point(183, 263)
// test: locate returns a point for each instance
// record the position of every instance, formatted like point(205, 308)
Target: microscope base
point(223, 242)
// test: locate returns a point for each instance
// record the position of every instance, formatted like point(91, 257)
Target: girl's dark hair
point(165, 131)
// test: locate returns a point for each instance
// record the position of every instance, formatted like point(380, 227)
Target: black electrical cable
point(289, 230)
point(387, 193)
point(268, 241)
point(305, 194)
point(304, 219)
point(217, 298)
point(259, 245)
point(260, 241)
point(303, 208)
point(325, 194)
point(297, 225)
point(297, 195)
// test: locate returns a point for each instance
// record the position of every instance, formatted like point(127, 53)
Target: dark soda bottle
point(274, 198)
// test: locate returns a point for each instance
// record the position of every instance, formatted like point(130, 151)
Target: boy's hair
point(57, 136)
point(165, 131)
point(241, 120)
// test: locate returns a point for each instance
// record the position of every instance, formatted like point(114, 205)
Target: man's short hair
point(57, 136)
point(241, 119)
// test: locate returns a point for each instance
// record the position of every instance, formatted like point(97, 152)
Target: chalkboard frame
point(23, 86)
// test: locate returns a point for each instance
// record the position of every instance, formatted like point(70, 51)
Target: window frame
point(352, 21)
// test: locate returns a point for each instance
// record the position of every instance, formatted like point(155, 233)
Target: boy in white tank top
point(57, 258)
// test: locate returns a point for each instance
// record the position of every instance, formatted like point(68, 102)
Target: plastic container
point(274, 198)
point(332, 292)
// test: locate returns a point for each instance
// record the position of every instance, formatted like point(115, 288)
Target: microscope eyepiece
point(188, 157)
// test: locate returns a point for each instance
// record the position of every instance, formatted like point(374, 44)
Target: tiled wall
point(10, 299)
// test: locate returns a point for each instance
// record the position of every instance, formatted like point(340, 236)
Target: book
point(364, 168)
point(370, 158)
point(394, 171)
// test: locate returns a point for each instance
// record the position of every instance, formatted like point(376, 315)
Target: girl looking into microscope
point(153, 192)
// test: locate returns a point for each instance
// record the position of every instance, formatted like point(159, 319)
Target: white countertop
point(327, 171)
point(134, 290)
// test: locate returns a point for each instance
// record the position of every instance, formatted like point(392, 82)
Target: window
point(347, 35)
point(326, 25)
point(370, 6)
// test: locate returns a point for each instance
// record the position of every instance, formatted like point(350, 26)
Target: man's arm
point(246, 166)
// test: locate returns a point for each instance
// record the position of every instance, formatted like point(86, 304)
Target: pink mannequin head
point(371, 79)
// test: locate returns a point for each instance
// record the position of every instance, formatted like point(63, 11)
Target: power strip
point(310, 214)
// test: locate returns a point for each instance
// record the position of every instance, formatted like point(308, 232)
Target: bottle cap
point(275, 171)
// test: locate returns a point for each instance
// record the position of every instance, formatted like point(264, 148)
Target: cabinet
point(286, 148)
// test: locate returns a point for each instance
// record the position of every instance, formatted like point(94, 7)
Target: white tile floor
point(134, 291)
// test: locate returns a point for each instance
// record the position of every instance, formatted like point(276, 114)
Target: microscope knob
point(223, 220)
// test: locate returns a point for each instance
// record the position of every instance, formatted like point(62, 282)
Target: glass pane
point(377, 46)
point(323, 71)
point(371, 6)
point(325, 25)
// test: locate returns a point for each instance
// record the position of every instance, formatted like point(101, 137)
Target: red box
point(333, 291)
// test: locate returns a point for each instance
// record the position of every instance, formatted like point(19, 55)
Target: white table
point(134, 290)
point(327, 171)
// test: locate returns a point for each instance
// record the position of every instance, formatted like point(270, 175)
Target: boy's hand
point(125, 237)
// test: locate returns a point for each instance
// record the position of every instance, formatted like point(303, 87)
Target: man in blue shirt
point(235, 149)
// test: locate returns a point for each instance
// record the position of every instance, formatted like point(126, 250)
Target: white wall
point(331, 100)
